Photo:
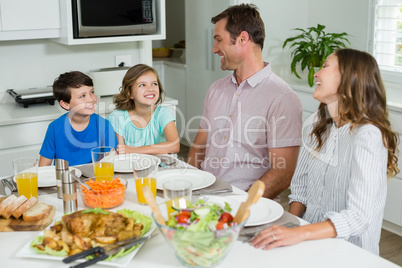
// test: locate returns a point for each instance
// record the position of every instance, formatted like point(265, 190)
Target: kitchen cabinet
point(27, 19)
point(66, 28)
point(202, 66)
point(173, 79)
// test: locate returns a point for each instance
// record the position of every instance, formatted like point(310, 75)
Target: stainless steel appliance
point(102, 18)
point(32, 95)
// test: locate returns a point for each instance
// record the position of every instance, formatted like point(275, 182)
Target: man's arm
point(197, 151)
point(283, 164)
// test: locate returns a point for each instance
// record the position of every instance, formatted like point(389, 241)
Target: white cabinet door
point(393, 206)
point(175, 87)
point(202, 66)
point(29, 15)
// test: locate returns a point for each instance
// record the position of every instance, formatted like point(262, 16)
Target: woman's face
point(145, 90)
point(328, 80)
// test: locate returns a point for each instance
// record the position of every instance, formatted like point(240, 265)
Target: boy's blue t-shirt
point(63, 142)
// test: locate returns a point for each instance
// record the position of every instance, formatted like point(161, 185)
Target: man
point(252, 119)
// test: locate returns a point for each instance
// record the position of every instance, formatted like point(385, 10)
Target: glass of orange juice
point(103, 162)
point(26, 176)
point(144, 175)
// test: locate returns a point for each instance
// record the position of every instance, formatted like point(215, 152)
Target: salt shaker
point(61, 169)
point(68, 186)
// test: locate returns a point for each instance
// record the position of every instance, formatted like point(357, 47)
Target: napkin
point(287, 220)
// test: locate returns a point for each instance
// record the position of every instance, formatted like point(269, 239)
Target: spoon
point(254, 194)
point(149, 197)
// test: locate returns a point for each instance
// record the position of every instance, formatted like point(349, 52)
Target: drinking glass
point(26, 176)
point(143, 175)
point(103, 162)
point(177, 194)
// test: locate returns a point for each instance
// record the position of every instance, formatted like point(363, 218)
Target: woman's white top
point(346, 182)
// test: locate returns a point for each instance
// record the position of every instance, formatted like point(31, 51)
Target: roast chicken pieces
point(80, 231)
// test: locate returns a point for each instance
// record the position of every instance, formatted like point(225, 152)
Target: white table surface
point(156, 253)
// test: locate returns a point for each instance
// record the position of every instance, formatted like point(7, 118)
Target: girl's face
point(328, 80)
point(145, 90)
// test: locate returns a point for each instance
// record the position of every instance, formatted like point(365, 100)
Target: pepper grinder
point(61, 169)
point(68, 186)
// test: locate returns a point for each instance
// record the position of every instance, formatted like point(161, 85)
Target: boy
point(72, 136)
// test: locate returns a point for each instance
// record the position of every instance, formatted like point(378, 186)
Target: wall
point(343, 16)
point(175, 25)
point(36, 63)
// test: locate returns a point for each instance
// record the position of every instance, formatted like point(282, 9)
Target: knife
point(104, 253)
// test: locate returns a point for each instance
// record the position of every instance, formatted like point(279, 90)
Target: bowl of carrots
point(105, 194)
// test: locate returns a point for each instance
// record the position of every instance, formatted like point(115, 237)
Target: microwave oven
point(103, 18)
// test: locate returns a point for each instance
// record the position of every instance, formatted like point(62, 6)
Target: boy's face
point(83, 101)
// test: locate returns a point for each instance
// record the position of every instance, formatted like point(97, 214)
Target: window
point(387, 39)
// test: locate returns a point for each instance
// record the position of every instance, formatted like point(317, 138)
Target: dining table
point(155, 253)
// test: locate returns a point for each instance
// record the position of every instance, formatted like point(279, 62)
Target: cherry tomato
point(182, 218)
point(226, 218)
point(219, 225)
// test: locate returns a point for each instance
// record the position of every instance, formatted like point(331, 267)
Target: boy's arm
point(43, 161)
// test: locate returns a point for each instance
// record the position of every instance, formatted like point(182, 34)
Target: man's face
point(83, 100)
point(225, 47)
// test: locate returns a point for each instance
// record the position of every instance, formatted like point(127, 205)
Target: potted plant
point(312, 47)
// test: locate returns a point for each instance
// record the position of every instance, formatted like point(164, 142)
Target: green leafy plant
point(312, 47)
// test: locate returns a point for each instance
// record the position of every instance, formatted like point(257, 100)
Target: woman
point(340, 182)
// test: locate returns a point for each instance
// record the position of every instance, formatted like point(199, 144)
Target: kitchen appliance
point(32, 95)
point(107, 81)
point(102, 18)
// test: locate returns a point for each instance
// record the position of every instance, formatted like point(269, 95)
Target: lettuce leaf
point(48, 251)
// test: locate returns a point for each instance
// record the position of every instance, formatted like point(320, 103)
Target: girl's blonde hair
point(122, 100)
point(362, 100)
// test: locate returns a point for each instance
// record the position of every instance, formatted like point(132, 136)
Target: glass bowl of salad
point(202, 234)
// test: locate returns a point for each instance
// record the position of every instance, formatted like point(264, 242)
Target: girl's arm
point(171, 145)
point(121, 145)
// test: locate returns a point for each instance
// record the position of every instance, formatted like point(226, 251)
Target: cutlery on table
point(104, 253)
point(254, 194)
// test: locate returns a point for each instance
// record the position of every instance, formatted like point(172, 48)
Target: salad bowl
point(201, 246)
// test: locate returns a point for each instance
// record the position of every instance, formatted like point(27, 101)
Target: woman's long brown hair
point(362, 100)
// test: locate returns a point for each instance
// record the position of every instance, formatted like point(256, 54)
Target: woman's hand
point(278, 236)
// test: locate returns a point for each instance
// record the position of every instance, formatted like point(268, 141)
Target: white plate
point(264, 211)
point(27, 252)
point(47, 175)
point(122, 162)
point(200, 179)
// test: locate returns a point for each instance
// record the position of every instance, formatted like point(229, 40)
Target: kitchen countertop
point(14, 113)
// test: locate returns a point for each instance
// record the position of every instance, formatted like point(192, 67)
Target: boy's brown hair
point(62, 85)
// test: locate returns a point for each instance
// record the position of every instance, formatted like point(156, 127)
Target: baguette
point(37, 212)
point(6, 202)
point(24, 207)
point(8, 211)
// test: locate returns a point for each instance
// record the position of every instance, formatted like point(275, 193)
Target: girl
point(340, 183)
point(140, 124)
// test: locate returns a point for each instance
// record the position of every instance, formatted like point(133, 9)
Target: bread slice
point(24, 207)
point(13, 206)
point(37, 212)
point(6, 202)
